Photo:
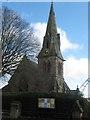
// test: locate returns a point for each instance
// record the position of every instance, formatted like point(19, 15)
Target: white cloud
point(76, 72)
point(76, 67)
point(2, 83)
point(40, 29)
point(66, 44)
point(4, 80)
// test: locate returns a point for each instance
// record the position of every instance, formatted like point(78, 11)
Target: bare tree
point(17, 40)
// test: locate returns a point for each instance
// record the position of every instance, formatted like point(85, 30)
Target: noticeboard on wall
point(46, 103)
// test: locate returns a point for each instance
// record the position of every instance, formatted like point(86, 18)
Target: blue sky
point(72, 23)
point(72, 17)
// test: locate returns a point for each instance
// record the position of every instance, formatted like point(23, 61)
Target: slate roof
point(26, 73)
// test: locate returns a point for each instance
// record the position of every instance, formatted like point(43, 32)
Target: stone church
point(47, 75)
point(34, 86)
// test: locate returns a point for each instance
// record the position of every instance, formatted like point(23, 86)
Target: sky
point(72, 24)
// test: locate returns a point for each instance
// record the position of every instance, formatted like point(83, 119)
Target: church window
point(44, 66)
point(48, 66)
point(47, 44)
point(59, 68)
point(56, 86)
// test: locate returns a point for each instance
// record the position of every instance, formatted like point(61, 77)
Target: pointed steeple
point(51, 43)
point(51, 26)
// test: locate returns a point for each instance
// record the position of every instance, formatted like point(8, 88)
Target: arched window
point(48, 66)
point(47, 44)
point(56, 86)
point(44, 66)
point(60, 68)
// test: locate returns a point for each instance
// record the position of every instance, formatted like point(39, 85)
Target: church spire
point(51, 43)
point(51, 26)
point(50, 59)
